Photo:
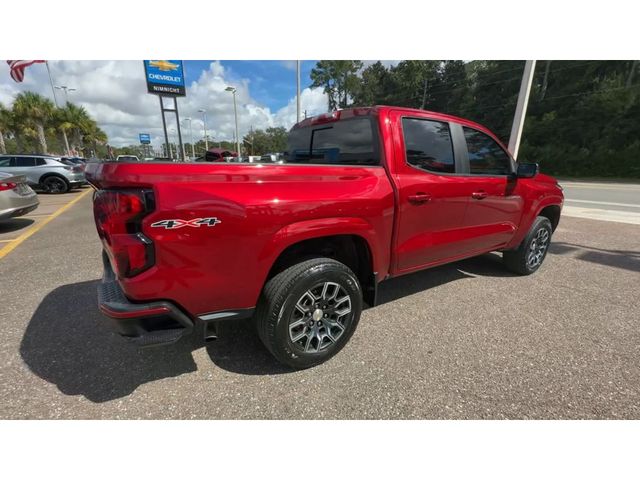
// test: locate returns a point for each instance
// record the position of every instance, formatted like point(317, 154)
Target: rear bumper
point(145, 324)
point(18, 211)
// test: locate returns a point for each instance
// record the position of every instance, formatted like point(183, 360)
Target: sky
point(115, 94)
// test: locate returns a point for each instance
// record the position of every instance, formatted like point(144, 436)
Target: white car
point(16, 197)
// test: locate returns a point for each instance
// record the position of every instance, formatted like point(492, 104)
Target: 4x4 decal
point(196, 222)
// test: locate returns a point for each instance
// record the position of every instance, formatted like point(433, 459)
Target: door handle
point(419, 198)
point(479, 195)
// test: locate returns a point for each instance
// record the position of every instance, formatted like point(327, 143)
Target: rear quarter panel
point(263, 209)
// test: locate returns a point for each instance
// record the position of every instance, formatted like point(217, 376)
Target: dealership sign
point(165, 77)
point(145, 138)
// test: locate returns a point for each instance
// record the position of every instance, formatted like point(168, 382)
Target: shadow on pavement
point(489, 265)
point(625, 259)
point(69, 343)
point(15, 224)
point(240, 350)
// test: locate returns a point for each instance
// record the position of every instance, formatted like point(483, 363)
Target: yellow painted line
point(10, 240)
point(39, 215)
point(9, 248)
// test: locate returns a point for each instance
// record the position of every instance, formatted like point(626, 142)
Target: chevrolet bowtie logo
point(163, 65)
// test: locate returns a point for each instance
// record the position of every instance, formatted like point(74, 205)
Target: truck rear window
point(346, 142)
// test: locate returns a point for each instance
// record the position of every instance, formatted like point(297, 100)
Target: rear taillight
point(77, 169)
point(118, 215)
point(7, 186)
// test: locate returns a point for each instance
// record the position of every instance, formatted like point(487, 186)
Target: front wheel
point(532, 251)
point(308, 312)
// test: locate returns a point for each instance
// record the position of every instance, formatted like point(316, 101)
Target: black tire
point(277, 312)
point(55, 184)
point(520, 260)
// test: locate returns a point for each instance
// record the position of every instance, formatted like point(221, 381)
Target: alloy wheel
point(537, 248)
point(320, 317)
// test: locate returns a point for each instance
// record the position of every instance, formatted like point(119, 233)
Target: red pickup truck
point(364, 195)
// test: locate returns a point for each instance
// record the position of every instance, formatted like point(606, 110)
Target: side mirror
point(527, 170)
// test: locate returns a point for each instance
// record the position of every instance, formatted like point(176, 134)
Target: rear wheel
point(308, 312)
point(532, 251)
point(55, 184)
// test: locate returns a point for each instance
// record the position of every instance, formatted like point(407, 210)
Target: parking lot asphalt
point(14, 231)
point(467, 340)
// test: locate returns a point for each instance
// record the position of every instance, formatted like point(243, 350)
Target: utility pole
point(297, 91)
point(545, 80)
point(424, 93)
point(631, 73)
point(521, 107)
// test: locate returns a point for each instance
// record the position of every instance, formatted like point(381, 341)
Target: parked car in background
point(127, 158)
point(74, 161)
point(44, 172)
point(271, 158)
point(217, 155)
point(16, 197)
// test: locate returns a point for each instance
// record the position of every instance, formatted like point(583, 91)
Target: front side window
point(346, 142)
point(428, 145)
point(486, 157)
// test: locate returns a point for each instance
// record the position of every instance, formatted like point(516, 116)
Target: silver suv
point(44, 172)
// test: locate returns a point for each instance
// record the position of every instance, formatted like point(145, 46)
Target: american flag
point(17, 68)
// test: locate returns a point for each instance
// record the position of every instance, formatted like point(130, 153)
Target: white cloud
point(313, 100)
point(115, 94)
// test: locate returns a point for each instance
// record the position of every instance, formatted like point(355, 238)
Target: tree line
point(583, 117)
point(35, 125)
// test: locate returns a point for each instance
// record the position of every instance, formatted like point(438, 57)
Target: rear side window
point(25, 162)
point(428, 145)
point(486, 157)
point(346, 142)
point(5, 161)
point(40, 161)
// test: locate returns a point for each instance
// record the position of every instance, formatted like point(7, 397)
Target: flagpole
point(55, 100)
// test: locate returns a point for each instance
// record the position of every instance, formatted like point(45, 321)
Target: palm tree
point(33, 110)
point(5, 125)
point(75, 120)
point(94, 136)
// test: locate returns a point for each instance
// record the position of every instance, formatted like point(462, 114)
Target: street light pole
point(193, 154)
point(173, 131)
point(204, 123)
point(235, 112)
point(66, 91)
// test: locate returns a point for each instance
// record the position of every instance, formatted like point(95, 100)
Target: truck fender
point(528, 219)
point(316, 228)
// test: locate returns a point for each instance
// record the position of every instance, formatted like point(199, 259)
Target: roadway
point(619, 202)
